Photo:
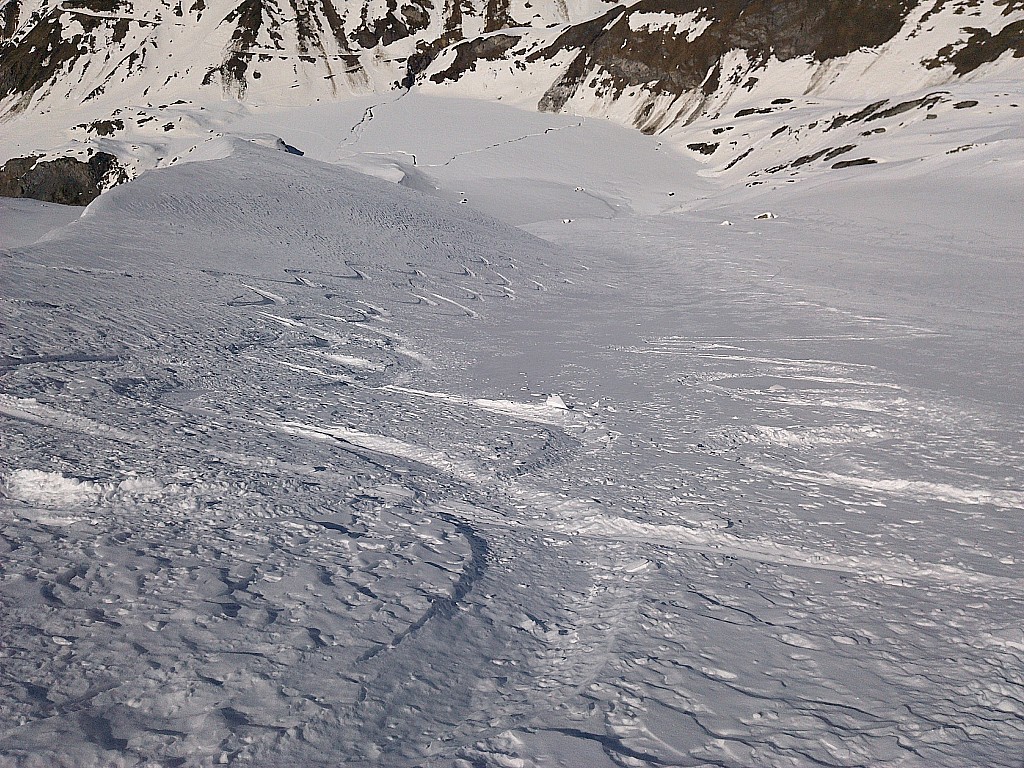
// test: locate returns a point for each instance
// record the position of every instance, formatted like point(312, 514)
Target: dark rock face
point(65, 180)
point(37, 49)
point(471, 51)
point(982, 47)
point(9, 16)
point(622, 57)
point(28, 63)
point(854, 163)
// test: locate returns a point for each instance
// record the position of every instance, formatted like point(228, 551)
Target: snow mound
point(49, 489)
point(54, 490)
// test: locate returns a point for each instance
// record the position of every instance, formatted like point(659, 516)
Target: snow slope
point(304, 467)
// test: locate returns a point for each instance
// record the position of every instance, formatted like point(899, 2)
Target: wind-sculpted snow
point(303, 468)
point(188, 574)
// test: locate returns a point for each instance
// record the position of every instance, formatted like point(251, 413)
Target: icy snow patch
point(920, 490)
point(670, 22)
point(388, 446)
point(49, 489)
point(53, 489)
point(553, 411)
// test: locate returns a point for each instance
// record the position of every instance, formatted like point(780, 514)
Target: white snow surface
point(306, 467)
point(690, 24)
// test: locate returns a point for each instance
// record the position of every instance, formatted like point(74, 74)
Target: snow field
point(301, 467)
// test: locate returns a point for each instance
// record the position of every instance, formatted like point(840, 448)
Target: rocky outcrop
point(65, 180)
point(468, 53)
point(982, 47)
point(671, 47)
point(659, 64)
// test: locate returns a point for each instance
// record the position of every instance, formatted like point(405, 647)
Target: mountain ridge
point(684, 70)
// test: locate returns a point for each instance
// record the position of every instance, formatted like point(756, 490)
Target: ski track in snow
point(347, 526)
point(505, 143)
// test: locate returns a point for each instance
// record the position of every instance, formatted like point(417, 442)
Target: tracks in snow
point(341, 531)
